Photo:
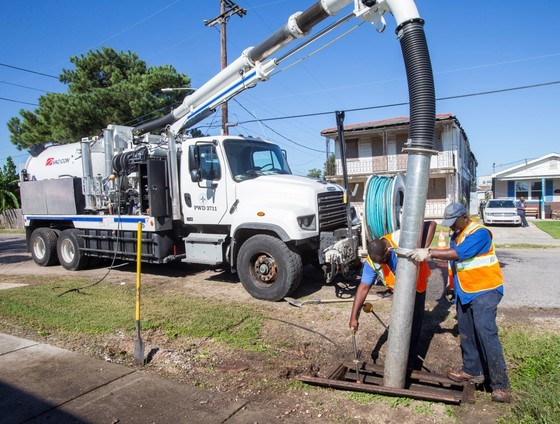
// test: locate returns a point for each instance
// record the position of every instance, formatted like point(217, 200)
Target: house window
point(377, 146)
point(437, 140)
point(352, 149)
point(536, 190)
point(530, 190)
point(401, 142)
point(436, 188)
point(522, 189)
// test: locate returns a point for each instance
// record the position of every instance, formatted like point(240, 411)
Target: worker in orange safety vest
point(478, 286)
point(381, 263)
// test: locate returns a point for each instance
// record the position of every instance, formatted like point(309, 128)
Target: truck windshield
point(253, 158)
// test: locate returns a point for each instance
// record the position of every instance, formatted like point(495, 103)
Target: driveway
point(531, 275)
point(508, 235)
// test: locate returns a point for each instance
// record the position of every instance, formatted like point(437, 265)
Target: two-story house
point(376, 148)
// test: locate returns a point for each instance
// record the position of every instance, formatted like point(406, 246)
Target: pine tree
point(106, 87)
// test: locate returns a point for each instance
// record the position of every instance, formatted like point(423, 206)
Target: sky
point(506, 50)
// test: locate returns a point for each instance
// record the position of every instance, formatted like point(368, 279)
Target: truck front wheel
point(68, 249)
point(267, 268)
point(43, 246)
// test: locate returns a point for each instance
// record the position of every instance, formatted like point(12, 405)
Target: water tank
point(62, 161)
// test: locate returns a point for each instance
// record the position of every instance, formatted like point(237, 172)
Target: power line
point(274, 131)
point(503, 90)
point(18, 101)
point(389, 105)
point(28, 70)
point(384, 106)
point(24, 86)
point(14, 156)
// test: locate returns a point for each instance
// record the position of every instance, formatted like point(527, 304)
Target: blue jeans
point(481, 347)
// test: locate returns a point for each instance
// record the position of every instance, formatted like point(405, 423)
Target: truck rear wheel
point(43, 246)
point(68, 249)
point(267, 268)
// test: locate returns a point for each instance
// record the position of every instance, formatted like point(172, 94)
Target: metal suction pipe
point(410, 32)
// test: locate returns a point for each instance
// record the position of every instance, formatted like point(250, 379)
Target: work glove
point(419, 255)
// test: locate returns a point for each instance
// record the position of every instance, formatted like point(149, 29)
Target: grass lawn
point(550, 227)
point(53, 307)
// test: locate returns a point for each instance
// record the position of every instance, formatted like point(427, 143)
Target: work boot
point(385, 294)
point(501, 395)
point(461, 377)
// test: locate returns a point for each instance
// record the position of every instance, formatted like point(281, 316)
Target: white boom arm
point(252, 67)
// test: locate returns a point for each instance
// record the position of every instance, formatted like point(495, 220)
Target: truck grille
point(332, 211)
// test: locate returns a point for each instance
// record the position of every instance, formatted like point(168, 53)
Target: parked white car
point(500, 211)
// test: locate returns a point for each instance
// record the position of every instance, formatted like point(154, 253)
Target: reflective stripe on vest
point(481, 272)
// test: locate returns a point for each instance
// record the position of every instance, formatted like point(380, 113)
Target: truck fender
point(255, 227)
point(246, 230)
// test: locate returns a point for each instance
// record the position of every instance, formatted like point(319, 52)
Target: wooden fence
point(11, 218)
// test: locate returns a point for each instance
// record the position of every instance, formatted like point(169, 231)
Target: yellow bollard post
point(139, 343)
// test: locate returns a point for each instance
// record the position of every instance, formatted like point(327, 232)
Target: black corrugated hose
point(420, 83)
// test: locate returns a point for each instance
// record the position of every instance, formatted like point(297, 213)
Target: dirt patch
point(311, 340)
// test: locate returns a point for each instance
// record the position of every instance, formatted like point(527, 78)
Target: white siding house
point(537, 180)
point(376, 148)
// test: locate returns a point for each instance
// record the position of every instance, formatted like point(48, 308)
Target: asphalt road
point(531, 275)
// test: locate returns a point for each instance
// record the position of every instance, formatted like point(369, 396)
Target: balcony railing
point(393, 163)
point(434, 208)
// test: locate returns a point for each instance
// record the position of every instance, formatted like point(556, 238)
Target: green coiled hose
point(378, 206)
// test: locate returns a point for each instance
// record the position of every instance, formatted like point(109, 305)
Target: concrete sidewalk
point(508, 235)
point(40, 383)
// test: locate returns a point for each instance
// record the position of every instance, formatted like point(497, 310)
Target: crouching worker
point(478, 285)
point(381, 262)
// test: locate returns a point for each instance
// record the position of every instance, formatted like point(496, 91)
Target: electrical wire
point(24, 86)
point(28, 70)
point(18, 101)
point(274, 131)
point(389, 105)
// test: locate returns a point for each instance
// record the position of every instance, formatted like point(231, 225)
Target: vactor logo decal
point(53, 161)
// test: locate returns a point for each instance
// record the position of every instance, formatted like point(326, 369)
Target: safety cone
point(442, 241)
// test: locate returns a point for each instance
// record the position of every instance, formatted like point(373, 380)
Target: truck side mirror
point(195, 175)
point(194, 163)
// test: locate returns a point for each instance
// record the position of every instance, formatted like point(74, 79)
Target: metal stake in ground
point(300, 303)
point(356, 355)
point(139, 343)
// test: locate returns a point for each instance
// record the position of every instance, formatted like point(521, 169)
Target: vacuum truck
point(227, 201)
point(238, 205)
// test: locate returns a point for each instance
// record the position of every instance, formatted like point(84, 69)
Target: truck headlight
point(307, 222)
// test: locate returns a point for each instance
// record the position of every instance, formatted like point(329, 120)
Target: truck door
point(204, 187)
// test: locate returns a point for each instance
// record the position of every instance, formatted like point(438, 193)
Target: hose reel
point(383, 202)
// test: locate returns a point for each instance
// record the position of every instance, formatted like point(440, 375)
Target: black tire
point(267, 268)
point(68, 249)
point(43, 247)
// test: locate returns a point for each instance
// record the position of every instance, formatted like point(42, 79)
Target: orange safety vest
point(388, 276)
point(479, 273)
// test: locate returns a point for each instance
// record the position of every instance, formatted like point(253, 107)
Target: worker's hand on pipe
point(354, 324)
point(419, 255)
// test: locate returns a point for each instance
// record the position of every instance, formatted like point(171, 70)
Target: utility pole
point(327, 167)
point(227, 9)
